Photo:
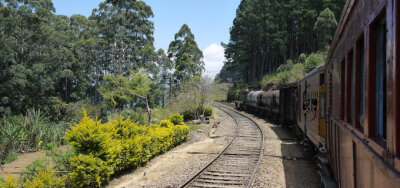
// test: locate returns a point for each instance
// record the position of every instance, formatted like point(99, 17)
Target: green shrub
point(11, 157)
point(50, 148)
point(90, 137)
point(207, 111)
point(88, 171)
point(117, 145)
point(161, 138)
point(9, 182)
point(176, 119)
point(180, 133)
point(29, 132)
point(126, 158)
point(11, 133)
point(188, 115)
point(62, 160)
point(39, 164)
point(166, 123)
point(191, 114)
point(45, 179)
point(138, 115)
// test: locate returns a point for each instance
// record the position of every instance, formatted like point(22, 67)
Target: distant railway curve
point(237, 163)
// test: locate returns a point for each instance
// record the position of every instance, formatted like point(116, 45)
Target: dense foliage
point(28, 133)
point(195, 96)
point(292, 70)
point(45, 179)
point(55, 60)
point(267, 33)
point(103, 149)
point(186, 55)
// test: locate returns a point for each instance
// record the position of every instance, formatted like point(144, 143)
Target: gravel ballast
point(176, 166)
point(283, 163)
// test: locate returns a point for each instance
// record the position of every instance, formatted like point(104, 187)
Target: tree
point(119, 91)
point(192, 95)
point(186, 55)
point(266, 33)
point(325, 27)
point(115, 91)
point(125, 27)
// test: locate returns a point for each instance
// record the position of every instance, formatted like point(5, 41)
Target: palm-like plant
point(37, 125)
point(11, 134)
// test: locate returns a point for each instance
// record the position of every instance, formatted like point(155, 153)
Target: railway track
point(236, 165)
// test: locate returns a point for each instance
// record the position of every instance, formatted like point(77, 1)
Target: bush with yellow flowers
point(176, 119)
point(117, 145)
point(10, 182)
point(88, 171)
point(45, 179)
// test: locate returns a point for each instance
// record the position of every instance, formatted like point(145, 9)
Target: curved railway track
point(236, 164)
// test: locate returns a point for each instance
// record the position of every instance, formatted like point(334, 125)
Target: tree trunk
point(148, 111)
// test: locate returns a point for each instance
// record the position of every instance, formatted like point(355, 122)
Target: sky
point(209, 21)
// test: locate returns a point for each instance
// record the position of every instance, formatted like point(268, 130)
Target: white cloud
point(213, 59)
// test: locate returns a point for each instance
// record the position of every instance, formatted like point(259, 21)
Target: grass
point(195, 127)
point(11, 157)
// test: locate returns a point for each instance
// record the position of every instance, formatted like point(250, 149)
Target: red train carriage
point(362, 79)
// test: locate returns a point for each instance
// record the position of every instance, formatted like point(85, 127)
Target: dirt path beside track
point(22, 162)
point(282, 164)
point(174, 167)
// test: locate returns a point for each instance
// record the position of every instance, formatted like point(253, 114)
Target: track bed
point(236, 165)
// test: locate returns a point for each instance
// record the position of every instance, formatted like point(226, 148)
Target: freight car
point(265, 104)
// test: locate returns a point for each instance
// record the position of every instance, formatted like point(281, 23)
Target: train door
point(322, 113)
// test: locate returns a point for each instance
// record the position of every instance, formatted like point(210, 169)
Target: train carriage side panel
point(360, 69)
point(309, 120)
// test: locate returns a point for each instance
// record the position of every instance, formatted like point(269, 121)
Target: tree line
point(49, 60)
point(267, 33)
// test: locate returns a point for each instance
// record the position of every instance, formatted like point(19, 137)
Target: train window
point(350, 88)
point(299, 103)
point(322, 114)
point(380, 77)
point(342, 88)
point(361, 85)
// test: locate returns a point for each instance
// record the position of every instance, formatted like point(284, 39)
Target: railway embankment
point(174, 167)
point(284, 162)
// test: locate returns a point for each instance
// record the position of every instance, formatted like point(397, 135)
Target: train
point(349, 108)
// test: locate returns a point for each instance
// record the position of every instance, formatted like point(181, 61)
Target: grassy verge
point(195, 127)
point(11, 157)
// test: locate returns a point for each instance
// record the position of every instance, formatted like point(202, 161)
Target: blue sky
point(209, 20)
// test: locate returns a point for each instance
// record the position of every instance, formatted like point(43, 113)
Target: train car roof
point(346, 13)
point(315, 71)
point(284, 86)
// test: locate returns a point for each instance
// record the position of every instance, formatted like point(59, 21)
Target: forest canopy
point(49, 61)
point(267, 33)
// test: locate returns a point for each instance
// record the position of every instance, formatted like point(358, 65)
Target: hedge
point(104, 149)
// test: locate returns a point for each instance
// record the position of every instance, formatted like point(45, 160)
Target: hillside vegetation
point(267, 34)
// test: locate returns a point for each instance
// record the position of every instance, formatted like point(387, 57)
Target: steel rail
point(254, 170)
